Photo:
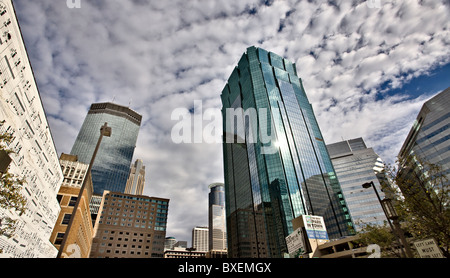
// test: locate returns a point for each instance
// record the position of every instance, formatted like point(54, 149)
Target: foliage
point(10, 192)
point(421, 198)
point(381, 235)
point(424, 206)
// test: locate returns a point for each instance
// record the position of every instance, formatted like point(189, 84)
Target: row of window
point(72, 201)
point(132, 252)
point(118, 203)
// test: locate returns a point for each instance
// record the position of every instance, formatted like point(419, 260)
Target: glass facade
point(355, 164)
point(429, 137)
point(276, 164)
point(217, 223)
point(112, 163)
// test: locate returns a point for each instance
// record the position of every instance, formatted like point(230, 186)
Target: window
point(59, 238)
point(73, 201)
point(66, 219)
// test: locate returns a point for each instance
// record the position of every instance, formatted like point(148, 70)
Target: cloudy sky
point(367, 67)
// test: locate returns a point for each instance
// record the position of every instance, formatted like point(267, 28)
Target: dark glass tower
point(270, 182)
point(112, 163)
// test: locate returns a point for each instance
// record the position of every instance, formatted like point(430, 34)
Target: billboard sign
point(315, 227)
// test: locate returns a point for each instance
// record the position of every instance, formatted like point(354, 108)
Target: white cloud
point(161, 55)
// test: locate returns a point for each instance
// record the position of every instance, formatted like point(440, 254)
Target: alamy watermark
point(241, 126)
point(73, 4)
point(374, 250)
point(74, 251)
point(376, 4)
point(373, 4)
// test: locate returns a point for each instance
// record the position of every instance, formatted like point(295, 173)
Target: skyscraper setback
point(269, 183)
point(112, 164)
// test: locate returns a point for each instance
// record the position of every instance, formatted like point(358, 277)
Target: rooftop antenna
point(114, 98)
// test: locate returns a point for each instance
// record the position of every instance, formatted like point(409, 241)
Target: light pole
point(371, 184)
point(105, 130)
point(392, 214)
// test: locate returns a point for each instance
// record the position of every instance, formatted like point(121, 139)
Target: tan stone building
point(130, 226)
point(79, 241)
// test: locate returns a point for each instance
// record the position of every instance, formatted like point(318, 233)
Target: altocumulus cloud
point(156, 56)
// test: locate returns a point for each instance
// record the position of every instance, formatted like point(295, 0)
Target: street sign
point(428, 248)
point(295, 242)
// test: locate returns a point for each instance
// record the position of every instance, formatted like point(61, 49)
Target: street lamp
point(392, 214)
point(105, 130)
point(389, 207)
point(386, 213)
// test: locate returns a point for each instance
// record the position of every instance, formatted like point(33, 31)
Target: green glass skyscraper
point(276, 165)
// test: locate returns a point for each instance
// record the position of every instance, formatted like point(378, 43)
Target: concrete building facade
point(130, 226)
point(183, 253)
point(79, 238)
point(200, 236)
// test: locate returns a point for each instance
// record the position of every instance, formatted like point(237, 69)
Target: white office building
point(356, 164)
point(35, 158)
point(200, 239)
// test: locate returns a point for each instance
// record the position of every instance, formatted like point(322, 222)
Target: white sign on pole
point(294, 242)
point(428, 249)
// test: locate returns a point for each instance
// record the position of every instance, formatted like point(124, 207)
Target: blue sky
point(366, 70)
point(436, 80)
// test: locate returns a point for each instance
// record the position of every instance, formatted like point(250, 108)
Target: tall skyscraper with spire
point(112, 164)
point(276, 165)
point(216, 217)
point(136, 179)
